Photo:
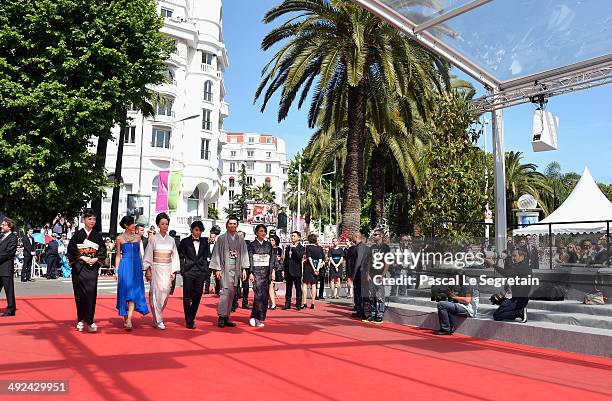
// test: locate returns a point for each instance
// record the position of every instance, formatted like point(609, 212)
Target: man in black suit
point(193, 253)
point(53, 259)
point(177, 241)
point(140, 230)
point(8, 249)
point(29, 252)
point(293, 271)
point(362, 255)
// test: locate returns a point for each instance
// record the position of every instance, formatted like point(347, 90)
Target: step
point(545, 334)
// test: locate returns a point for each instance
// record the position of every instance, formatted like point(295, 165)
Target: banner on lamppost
point(161, 202)
point(175, 190)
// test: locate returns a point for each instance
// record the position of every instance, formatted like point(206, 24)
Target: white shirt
point(196, 244)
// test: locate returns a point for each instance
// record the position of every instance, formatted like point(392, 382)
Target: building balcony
point(224, 109)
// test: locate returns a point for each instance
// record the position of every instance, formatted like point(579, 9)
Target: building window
point(193, 203)
point(129, 135)
point(208, 94)
point(267, 182)
point(232, 182)
point(204, 150)
point(164, 108)
point(230, 194)
point(161, 138)
point(232, 167)
point(269, 140)
point(268, 155)
point(207, 58)
point(166, 12)
point(250, 181)
point(285, 186)
point(268, 167)
point(155, 184)
point(233, 153)
point(250, 166)
point(250, 153)
point(251, 139)
point(206, 121)
point(284, 170)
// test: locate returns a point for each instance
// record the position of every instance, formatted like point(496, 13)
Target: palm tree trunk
point(377, 179)
point(353, 167)
point(96, 204)
point(117, 187)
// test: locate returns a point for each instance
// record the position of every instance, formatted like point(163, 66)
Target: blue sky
point(585, 134)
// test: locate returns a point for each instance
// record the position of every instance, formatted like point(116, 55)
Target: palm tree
point(147, 105)
point(348, 54)
point(263, 193)
point(523, 179)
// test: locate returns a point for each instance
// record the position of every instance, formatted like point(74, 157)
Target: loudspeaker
point(544, 131)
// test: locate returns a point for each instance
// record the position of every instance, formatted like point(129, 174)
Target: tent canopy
point(585, 203)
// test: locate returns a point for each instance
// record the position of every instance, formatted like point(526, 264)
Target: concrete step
point(567, 317)
point(540, 333)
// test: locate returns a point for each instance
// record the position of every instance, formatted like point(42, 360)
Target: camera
point(497, 299)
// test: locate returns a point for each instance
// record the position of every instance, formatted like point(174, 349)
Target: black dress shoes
point(190, 326)
point(9, 313)
point(221, 322)
point(443, 333)
point(286, 307)
point(229, 323)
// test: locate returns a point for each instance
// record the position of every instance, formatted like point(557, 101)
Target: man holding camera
point(516, 307)
point(463, 303)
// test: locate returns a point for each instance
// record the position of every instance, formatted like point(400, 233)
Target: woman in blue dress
point(130, 286)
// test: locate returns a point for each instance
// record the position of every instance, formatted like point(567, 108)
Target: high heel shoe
point(273, 307)
point(128, 325)
point(312, 306)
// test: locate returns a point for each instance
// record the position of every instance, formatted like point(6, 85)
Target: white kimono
point(162, 257)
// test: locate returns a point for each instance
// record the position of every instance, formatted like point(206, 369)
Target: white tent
point(585, 203)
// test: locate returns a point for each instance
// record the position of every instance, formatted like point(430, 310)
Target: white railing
point(207, 67)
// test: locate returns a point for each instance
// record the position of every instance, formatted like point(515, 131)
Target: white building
point(265, 160)
point(195, 88)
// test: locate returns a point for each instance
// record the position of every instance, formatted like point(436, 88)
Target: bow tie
point(195, 239)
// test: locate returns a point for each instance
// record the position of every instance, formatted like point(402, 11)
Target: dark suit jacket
point(190, 261)
point(52, 248)
point(8, 249)
point(28, 247)
point(293, 263)
point(362, 260)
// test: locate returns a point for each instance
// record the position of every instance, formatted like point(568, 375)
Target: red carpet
point(309, 355)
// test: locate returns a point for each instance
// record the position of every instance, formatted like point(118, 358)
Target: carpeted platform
point(307, 355)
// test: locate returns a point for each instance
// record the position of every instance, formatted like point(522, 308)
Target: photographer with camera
point(515, 307)
point(462, 303)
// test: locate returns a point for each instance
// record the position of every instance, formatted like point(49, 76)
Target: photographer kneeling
point(515, 307)
point(464, 304)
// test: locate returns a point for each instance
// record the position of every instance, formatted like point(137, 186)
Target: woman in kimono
point(263, 261)
point(161, 263)
point(130, 285)
point(86, 254)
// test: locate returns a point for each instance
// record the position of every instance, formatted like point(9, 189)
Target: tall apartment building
point(195, 88)
point(265, 160)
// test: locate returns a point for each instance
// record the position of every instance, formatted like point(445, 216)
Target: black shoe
point(9, 313)
point(273, 307)
point(229, 323)
point(317, 298)
point(312, 306)
point(524, 316)
point(368, 319)
point(285, 307)
point(378, 320)
point(221, 322)
point(190, 326)
point(245, 305)
point(443, 332)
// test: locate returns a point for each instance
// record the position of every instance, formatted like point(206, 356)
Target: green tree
point(454, 188)
point(263, 193)
point(68, 70)
point(239, 200)
point(344, 54)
